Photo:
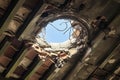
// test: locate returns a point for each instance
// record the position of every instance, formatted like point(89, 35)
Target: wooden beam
point(10, 14)
point(29, 18)
point(16, 62)
point(33, 71)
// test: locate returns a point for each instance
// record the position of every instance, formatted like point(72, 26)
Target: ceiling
point(22, 59)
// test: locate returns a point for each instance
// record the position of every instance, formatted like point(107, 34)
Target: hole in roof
point(57, 31)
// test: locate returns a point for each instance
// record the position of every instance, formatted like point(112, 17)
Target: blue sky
point(53, 35)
